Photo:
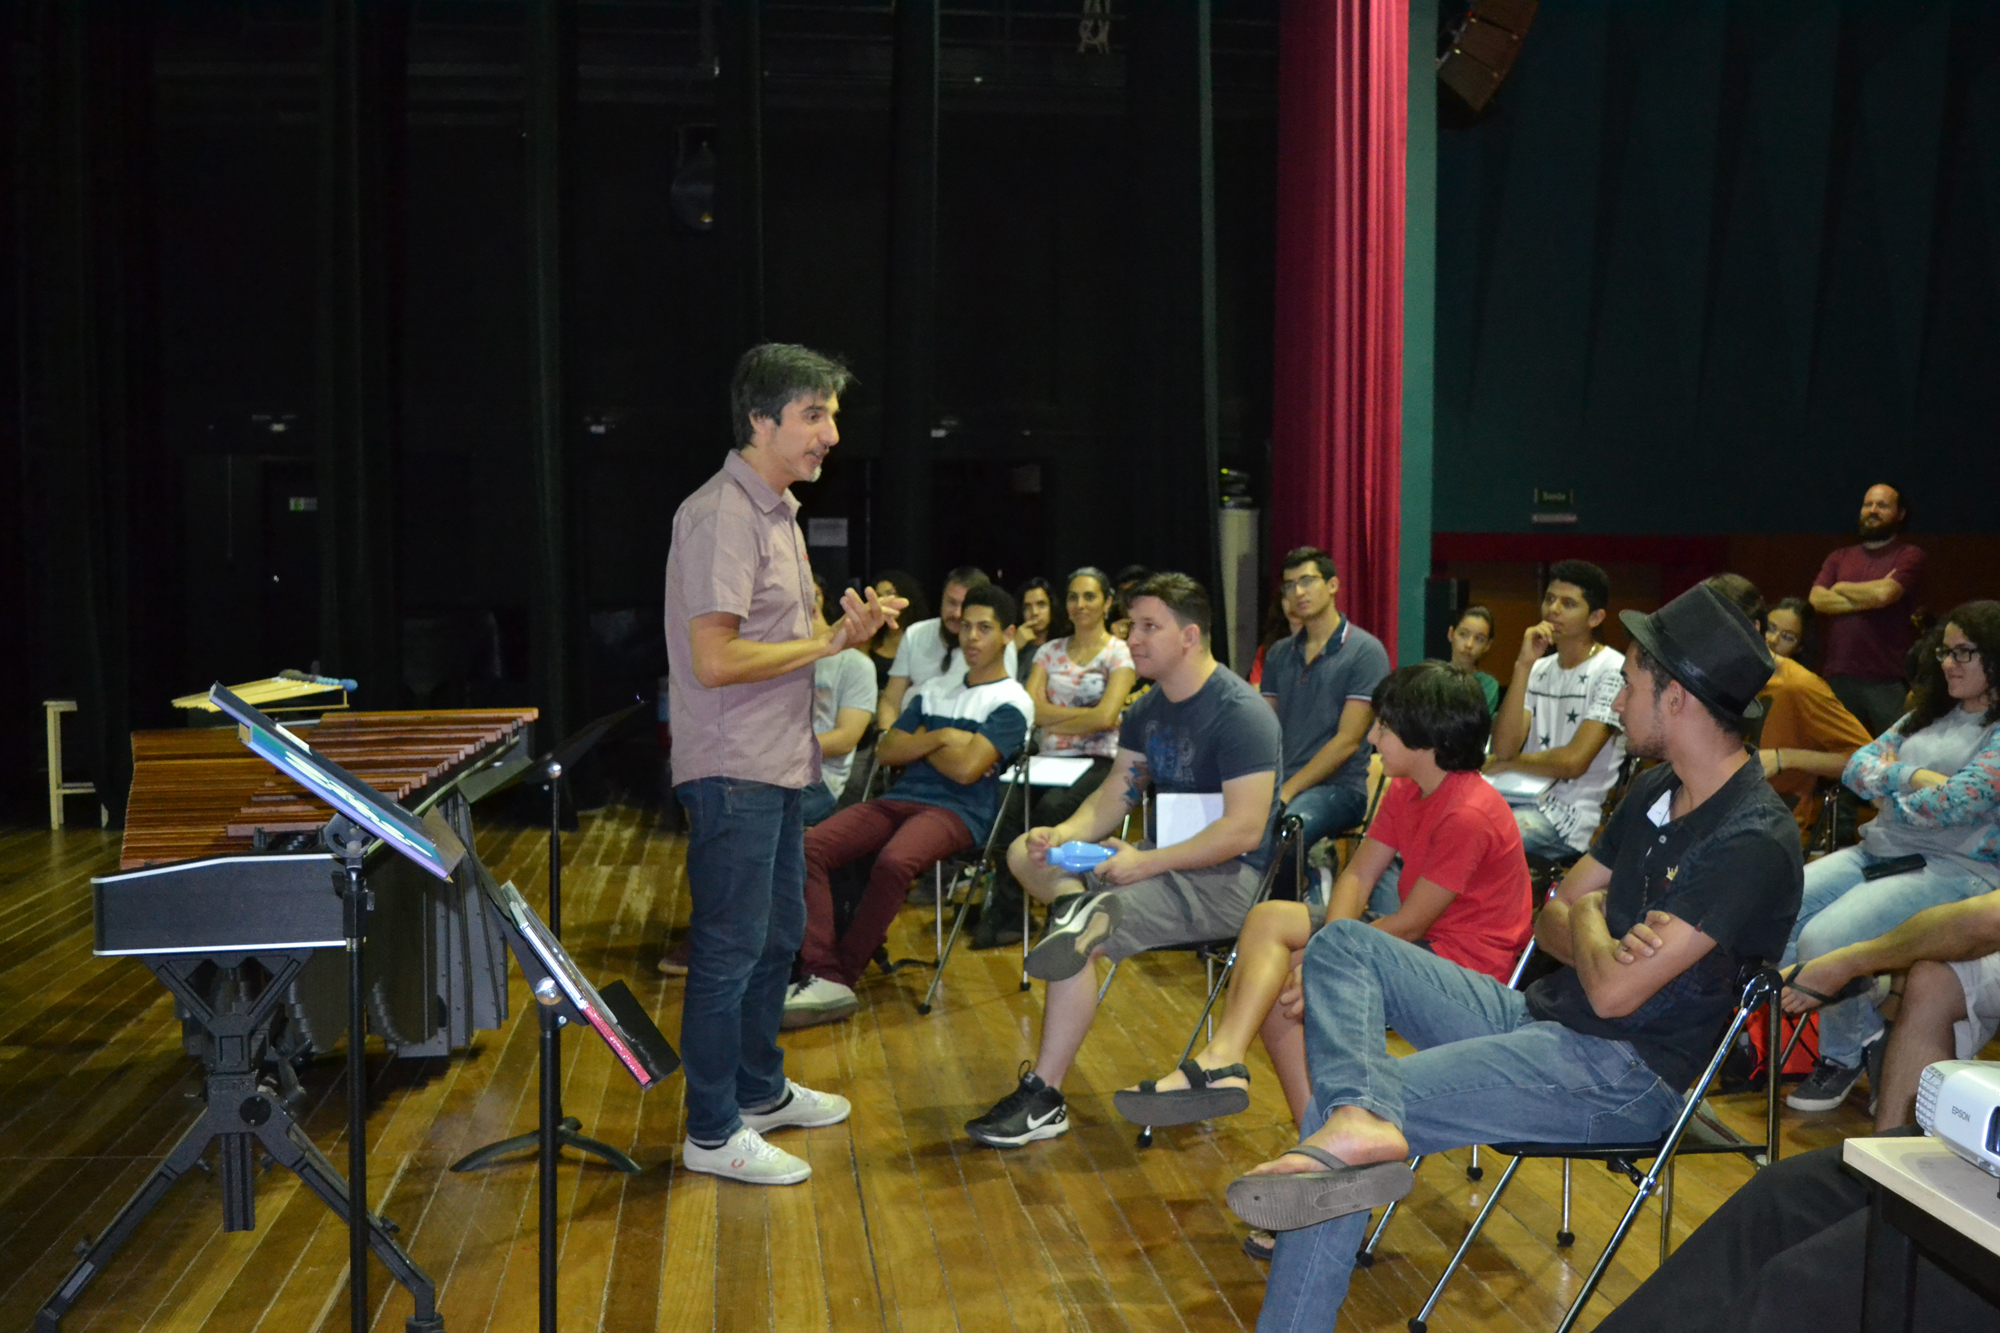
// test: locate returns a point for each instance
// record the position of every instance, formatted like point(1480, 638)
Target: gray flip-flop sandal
point(1184, 1106)
point(1286, 1202)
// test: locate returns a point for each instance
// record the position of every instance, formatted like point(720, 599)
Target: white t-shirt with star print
point(1559, 702)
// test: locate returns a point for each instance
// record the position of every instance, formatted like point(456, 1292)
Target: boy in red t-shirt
point(1464, 887)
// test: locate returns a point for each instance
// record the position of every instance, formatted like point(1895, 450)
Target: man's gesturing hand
point(862, 613)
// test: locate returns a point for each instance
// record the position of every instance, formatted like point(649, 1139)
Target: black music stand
point(548, 771)
point(564, 995)
point(365, 817)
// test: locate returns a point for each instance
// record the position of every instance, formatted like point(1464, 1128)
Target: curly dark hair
point(1978, 621)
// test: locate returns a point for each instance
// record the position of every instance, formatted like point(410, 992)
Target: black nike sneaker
point(1034, 1110)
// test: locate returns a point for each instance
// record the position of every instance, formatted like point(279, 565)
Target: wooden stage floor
point(906, 1223)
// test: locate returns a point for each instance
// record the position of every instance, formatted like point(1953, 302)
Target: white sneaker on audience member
point(748, 1158)
point(800, 1108)
point(817, 1000)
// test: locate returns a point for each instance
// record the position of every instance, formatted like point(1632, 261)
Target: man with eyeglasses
point(1321, 681)
point(1864, 595)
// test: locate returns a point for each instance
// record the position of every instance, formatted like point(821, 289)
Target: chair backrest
point(862, 774)
point(1758, 987)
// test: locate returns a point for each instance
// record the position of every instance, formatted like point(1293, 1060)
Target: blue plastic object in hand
point(1079, 857)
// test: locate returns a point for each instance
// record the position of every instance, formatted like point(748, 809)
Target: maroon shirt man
point(1865, 595)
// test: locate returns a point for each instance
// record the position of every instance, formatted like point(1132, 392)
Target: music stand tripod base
point(567, 1136)
point(243, 1112)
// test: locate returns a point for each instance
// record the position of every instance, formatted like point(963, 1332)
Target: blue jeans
point(1484, 1072)
point(1539, 836)
point(1325, 810)
point(815, 804)
point(1842, 908)
point(746, 865)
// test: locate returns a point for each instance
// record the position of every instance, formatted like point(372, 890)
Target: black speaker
point(1484, 48)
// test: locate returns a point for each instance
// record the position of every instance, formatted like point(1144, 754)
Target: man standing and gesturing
point(741, 648)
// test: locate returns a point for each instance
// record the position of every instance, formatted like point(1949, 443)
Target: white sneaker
point(746, 1157)
point(817, 1000)
point(802, 1108)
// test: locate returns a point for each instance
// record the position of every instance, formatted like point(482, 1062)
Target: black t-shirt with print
point(1730, 868)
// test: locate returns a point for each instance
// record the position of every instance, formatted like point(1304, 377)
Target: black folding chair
point(962, 871)
point(1693, 1132)
point(1219, 956)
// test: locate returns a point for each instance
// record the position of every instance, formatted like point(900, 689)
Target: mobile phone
point(1895, 865)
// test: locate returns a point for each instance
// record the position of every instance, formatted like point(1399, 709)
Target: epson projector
point(1958, 1104)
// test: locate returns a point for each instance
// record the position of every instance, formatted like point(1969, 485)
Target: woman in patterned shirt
point(1079, 684)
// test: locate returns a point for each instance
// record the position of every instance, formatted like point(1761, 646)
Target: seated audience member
point(1279, 624)
point(1702, 852)
point(1079, 684)
point(950, 741)
point(1808, 735)
point(1118, 620)
point(1202, 731)
point(1786, 626)
point(1949, 1002)
point(1129, 578)
point(1320, 682)
point(1935, 780)
point(843, 706)
point(1863, 595)
point(930, 647)
point(1786, 1254)
point(1037, 611)
point(882, 648)
point(1465, 892)
point(1470, 638)
point(1556, 720)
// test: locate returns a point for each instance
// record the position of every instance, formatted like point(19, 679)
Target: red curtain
point(1343, 79)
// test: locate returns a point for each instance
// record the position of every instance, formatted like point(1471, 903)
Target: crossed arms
point(1618, 975)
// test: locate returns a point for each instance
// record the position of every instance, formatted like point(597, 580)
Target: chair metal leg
point(1647, 1184)
point(1421, 1322)
point(946, 942)
point(1666, 1210)
point(1216, 981)
point(1565, 1237)
point(1024, 939)
point(1107, 983)
point(1365, 1256)
point(1473, 1170)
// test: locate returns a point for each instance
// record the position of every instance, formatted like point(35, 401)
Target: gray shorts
point(1182, 907)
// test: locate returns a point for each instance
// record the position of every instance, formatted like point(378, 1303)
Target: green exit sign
point(1544, 496)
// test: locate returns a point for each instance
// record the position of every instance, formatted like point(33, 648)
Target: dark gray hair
point(771, 376)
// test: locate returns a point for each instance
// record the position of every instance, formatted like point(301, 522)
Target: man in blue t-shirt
point(1321, 682)
point(950, 740)
point(1203, 734)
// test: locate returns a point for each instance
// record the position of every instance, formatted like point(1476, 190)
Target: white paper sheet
point(1178, 816)
point(1054, 771)
point(1519, 788)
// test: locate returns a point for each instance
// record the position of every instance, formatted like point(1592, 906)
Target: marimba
point(222, 857)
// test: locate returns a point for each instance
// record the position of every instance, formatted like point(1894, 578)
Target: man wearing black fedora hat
point(1698, 869)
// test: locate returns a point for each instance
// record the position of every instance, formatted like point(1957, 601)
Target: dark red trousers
point(906, 839)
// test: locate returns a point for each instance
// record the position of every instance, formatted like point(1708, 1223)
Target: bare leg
point(1067, 1013)
point(1355, 1136)
point(1044, 884)
point(1285, 1043)
point(1272, 935)
point(1932, 1001)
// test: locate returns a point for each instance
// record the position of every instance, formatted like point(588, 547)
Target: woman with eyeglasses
point(1935, 780)
point(1786, 626)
